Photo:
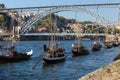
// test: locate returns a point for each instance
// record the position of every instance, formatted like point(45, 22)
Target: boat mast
point(51, 31)
point(97, 38)
point(78, 31)
point(12, 34)
point(54, 28)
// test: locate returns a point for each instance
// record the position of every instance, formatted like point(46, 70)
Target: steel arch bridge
point(27, 25)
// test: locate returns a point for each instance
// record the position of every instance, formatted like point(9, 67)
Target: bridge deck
point(61, 34)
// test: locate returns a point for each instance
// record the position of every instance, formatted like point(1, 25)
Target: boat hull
point(54, 60)
point(9, 59)
point(107, 46)
point(16, 57)
point(96, 48)
point(80, 52)
point(115, 44)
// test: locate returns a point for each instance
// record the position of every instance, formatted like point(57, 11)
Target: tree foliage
point(117, 30)
point(2, 6)
point(5, 19)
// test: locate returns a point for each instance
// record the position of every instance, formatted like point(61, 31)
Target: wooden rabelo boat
point(15, 56)
point(79, 50)
point(107, 45)
point(96, 46)
point(115, 43)
point(53, 54)
point(77, 47)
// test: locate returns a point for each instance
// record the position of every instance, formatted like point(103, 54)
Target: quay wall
point(47, 37)
point(44, 37)
point(58, 37)
point(110, 72)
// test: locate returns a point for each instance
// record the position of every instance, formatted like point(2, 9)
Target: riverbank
point(110, 72)
point(110, 38)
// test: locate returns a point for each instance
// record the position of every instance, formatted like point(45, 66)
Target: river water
point(71, 69)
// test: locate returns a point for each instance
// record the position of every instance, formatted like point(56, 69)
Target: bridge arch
point(26, 26)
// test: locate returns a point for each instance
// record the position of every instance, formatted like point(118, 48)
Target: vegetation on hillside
point(59, 21)
point(2, 6)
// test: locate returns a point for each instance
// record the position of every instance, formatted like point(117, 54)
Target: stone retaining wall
point(110, 72)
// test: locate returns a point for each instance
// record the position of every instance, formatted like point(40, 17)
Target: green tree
point(5, 19)
point(117, 30)
point(108, 31)
point(2, 6)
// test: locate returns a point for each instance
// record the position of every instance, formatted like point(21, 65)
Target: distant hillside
point(57, 21)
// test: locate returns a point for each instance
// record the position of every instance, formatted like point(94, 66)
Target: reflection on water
point(71, 69)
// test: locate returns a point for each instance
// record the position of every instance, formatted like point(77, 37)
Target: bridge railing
point(65, 34)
